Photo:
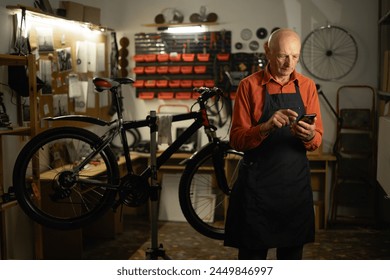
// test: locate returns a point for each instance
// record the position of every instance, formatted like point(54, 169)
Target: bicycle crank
point(134, 190)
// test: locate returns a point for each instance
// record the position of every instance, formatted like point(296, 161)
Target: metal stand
point(156, 250)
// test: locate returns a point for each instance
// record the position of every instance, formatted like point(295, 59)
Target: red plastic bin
point(185, 83)
point(209, 83)
point(186, 69)
point(223, 56)
point(150, 83)
point(150, 57)
point(162, 69)
point(200, 69)
point(175, 57)
point(203, 57)
point(195, 95)
point(139, 58)
point(162, 57)
point(188, 57)
point(165, 95)
point(146, 95)
point(150, 70)
point(138, 69)
point(139, 83)
point(198, 83)
point(174, 69)
point(183, 95)
point(162, 83)
point(174, 83)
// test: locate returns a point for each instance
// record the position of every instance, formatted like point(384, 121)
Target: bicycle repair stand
point(156, 250)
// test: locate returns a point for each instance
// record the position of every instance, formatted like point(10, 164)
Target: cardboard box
point(92, 15)
point(74, 11)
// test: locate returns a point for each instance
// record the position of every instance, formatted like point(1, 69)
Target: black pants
point(286, 253)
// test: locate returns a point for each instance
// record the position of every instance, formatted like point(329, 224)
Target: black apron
point(271, 204)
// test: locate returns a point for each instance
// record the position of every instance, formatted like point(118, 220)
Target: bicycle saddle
point(108, 84)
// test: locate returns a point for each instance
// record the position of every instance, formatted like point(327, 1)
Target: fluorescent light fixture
point(186, 29)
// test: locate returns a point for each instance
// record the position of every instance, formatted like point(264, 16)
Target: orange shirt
point(248, 108)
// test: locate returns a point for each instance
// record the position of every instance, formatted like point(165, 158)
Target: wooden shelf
point(16, 131)
point(38, 13)
point(8, 59)
point(180, 24)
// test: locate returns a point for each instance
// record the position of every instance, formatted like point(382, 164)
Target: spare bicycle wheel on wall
point(329, 53)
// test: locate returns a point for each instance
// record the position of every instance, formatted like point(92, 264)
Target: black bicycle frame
point(200, 119)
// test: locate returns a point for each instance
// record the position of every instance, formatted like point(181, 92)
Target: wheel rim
point(206, 204)
point(329, 53)
point(59, 197)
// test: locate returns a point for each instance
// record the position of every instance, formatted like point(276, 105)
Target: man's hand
point(303, 130)
point(279, 119)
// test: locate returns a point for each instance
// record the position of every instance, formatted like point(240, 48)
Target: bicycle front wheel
point(205, 188)
point(50, 186)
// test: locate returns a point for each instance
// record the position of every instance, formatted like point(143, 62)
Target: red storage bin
point(186, 69)
point(188, 57)
point(150, 83)
point(146, 95)
point(150, 70)
point(200, 69)
point(174, 69)
point(139, 58)
point(165, 95)
point(185, 83)
point(209, 83)
point(174, 83)
point(204, 57)
point(198, 83)
point(162, 69)
point(139, 70)
point(195, 95)
point(150, 57)
point(138, 83)
point(183, 95)
point(175, 57)
point(223, 56)
point(163, 57)
point(162, 83)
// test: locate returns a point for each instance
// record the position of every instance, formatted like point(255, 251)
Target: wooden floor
point(181, 242)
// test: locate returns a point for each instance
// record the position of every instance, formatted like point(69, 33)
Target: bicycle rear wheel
point(205, 188)
point(50, 188)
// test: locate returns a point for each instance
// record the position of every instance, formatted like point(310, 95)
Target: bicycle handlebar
point(207, 93)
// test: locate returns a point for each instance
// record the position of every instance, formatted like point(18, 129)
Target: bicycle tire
point(48, 190)
point(203, 196)
point(329, 53)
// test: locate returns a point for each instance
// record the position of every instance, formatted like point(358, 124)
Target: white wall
point(128, 17)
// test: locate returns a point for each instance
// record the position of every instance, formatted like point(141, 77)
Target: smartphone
point(308, 118)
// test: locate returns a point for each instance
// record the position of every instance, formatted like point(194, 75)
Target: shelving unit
point(169, 66)
point(29, 62)
point(47, 243)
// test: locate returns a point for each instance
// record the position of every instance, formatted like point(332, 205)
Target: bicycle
point(55, 187)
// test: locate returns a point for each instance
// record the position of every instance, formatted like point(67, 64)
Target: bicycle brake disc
point(134, 190)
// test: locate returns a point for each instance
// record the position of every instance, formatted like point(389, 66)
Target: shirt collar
point(269, 78)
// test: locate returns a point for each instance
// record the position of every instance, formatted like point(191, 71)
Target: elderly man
point(271, 204)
